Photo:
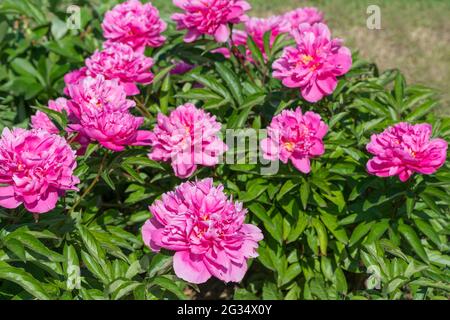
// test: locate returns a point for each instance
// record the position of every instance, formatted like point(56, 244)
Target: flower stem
point(93, 183)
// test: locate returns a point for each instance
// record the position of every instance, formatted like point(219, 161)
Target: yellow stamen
point(306, 58)
point(314, 67)
point(289, 146)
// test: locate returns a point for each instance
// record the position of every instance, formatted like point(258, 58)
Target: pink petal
point(302, 164)
point(222, 33)
point(317, 149)
point(327, 85)
point(130, 89)
point(149, 235)
point(190, 267)
point(191, 35)
point(312, 93)
point(8, 199)
point(45, 204)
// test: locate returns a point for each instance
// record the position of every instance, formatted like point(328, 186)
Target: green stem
point(92, 185)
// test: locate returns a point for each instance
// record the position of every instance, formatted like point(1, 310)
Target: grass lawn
point(415, 34)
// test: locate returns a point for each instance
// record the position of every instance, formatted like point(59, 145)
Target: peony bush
point(213, 154)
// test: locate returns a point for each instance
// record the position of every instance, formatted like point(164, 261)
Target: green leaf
point(25, 68)
point(380, 199)
point(269, 225)
point(126, 288)
point(377, 230)
point(17, 248)
point(243, 294)
point(35, 245)
point(277, 45)
point(232, 81)
point(107, 178)
point(270, 291)
point(327, 268)
point(23, 279)
point(331, 222)
point(253, 192)
point(213, 84)
point(94, 267)
point(297, 230)
point(430, 202)
point(91, 244)
point(162, 74)
point(410, 202)
point(199, 94)
point(3, 30)
point(373, 106)
point(321, 235)
point(360, 231)
point(411, 237)
point(266, 40)
point(169, 285)
point(72, 267)
point(340, 281)
point(291, 273)
point(287, 186)
point(422, 110)
point(256, 52)
point(128, 169)
point(399, 88)
point(142, 161)
point(304, 194)
point(159, 264)
point(395, 284)
point(428, 230)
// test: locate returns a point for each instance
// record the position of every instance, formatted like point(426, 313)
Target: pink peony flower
point(73, 78)
point(36, 167)
point(207, 231)
point(314, 65)
point(93, 95)
point(114, 130)
point(295, 136)
point(135, 24)
point(257, 27)
point(404, 149)
point(90, 98)
point(187, 137)
point(120, 61)
point(297, 17)
point(209, 17)
point(41, 121)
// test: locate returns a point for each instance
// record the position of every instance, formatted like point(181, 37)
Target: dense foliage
point(334, 233)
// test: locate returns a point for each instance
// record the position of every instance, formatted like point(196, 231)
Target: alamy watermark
point(373, 21)
point(73, 21)
point(243, 147)
point(374, 280)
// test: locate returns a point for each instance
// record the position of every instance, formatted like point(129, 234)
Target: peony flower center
point(412, 153)
point(308, 61)
point(289, 146)
point(306, 58)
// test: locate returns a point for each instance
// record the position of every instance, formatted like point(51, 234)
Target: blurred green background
point(415, 34)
